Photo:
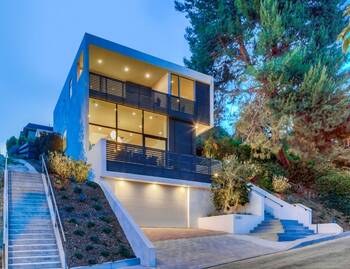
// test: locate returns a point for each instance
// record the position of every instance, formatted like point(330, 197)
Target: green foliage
point(67, 168)
point(279, 61)
point(49, 142)
point(79, 232)
point(302, 173)
point(59, 165)
point(95, 239)
point(11, 144)
point(344, 36)
point(230, 188)
point(78, 255)
point(105, 253)
point(107, 230)
point(281, 184)
point(80, 171)
point(91, 224)
point(334, 188)
point(89, 247)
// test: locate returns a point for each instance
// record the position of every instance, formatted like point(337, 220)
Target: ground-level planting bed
point(92, 231)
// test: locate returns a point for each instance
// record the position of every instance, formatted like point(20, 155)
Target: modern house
point(135, 118)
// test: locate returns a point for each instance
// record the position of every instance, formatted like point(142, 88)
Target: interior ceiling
point(113, 65)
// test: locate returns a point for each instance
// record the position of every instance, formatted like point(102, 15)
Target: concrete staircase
point(280, 230)
point(32, 242)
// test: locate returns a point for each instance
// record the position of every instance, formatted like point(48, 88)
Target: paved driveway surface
point(202, 252)
point(329, 255)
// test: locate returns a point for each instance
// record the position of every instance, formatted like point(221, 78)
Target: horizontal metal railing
point(5, 218)
point(165, 159)
point(57, 220)
point(138, 95)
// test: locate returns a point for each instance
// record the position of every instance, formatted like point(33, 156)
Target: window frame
point(179, 87)
point(142, 133)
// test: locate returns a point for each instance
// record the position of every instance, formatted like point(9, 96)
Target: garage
point(152, 205)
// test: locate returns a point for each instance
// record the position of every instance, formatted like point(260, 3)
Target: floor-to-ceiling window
point(126, 125)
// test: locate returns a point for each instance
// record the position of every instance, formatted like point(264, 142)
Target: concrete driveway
point(203, 252)
point(328, 255)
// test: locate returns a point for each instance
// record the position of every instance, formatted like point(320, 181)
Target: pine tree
point(281, 57)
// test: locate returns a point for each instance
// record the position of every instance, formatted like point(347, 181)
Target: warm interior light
point(140, 126)
point(115, 109)
point(147, 75)
point(150, 117)
point(172, 81)
point(196, 126)
point(126, 69)
point(113, 134)
point(99, 61)
point(216, 174)
point(99, 128)
point(131, 134)
point(133, 113)
point(96, 104)
point(89, 116)
point(160, 133)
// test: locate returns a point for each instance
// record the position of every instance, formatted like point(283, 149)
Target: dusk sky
point(39, 39)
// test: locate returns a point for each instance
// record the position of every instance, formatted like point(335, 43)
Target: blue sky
point(39, 39)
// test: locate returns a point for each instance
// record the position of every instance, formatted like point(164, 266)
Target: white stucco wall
point(200, 205)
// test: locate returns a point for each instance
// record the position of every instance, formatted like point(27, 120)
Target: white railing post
point(5, 218)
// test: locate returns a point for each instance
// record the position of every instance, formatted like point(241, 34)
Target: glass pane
point(96, 133)
point(187, 88)
point(174, 85)
point(155, 143)
point(102, 113)
point(129, 119)
point(129, 138)
point(155, 124)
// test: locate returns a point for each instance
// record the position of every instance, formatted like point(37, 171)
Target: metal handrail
point(5, 218)
point(266, 197)
point(57, 218)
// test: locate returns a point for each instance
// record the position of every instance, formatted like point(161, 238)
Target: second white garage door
point(152, 205)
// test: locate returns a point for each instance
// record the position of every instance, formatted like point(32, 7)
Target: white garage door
point(152, 205)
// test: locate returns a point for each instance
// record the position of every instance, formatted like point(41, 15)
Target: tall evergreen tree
point(283, 55)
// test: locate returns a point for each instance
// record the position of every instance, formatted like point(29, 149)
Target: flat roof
point(138, 55)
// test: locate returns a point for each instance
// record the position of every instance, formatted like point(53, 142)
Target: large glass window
point(155, 124)
point(129, 119)
point(97, 132)
point(155, 143)
point(130, 138)
point(182, 87)
point(102, 113)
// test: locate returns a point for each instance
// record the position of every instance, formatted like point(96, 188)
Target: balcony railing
point(153, 162)
point(140, 96)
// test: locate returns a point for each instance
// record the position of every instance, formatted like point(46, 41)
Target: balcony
point(126, 158)
point(139, 96)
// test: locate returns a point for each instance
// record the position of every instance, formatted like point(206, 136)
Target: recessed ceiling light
point(115, 109)
point(96, 105)
point(196, 126)
point(99, 128)
point(99, 61)
point(140, 126)
point(126, 69)
point(133, 113)
point(131, 134)
point(172, 81)
point(150, 117)
point(160, 133)
point(147, 75)
point(89, 116)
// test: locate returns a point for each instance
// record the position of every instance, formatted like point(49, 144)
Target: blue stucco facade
point(71, 111)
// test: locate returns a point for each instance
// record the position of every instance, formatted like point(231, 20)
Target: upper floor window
point(182, 87)
point(80, 66)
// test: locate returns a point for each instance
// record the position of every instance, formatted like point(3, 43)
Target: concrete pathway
point(328, 255)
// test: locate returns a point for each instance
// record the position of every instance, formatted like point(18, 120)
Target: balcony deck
point(142, 97)
point(133, 159)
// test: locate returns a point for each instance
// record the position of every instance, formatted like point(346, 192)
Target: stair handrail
point(5, 217)
point(266, 197)
point(51, 194)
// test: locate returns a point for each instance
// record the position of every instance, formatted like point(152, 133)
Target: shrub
point(82, 197)
point(302, 173)
point(51, 142)
point(77, 190)
point(73, 220)
point(124, 252)
point(97, 207)
point(60, 165)
point(94, 239)
point(92, 262)
point(105, 253)
point(80, 171)
point(107, 230)
point(280, 184)
point(69, 209)
point(230, 188)
point(92, 184)
point(79, 232)
point(89, 247)
point(91, 224)
point(105, 219)
point(78, 255)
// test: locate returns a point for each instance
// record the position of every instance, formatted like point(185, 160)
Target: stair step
point(28, 253)
point(32, 247)
point(37, 265)
point(32, 236)
point(31, 241)
point(30, 231)
point(34, 259)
